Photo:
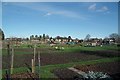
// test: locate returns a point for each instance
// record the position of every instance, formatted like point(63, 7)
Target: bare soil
point(111, 68)
point(48, 58)
point(104, 53)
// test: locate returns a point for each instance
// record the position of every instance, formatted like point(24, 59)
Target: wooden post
point(34, 56)
point(8, 62)
point(34, 52)
point(12, 60)
point(33, 68)
point(39, 64)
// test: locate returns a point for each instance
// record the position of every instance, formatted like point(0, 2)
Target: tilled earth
point(111, 68)
point(104, 53)
point(50, 56)
point(29, 75)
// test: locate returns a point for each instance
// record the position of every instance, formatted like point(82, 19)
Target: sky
point(60, 0)
point(75, 19)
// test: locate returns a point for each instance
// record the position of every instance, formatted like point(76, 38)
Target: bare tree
point(87, 37)
point(69, 38)
point(115, 36)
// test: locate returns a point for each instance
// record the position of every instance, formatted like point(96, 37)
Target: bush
point(30, 46)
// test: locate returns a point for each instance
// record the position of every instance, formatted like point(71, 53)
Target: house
point(111, 41)
point(94, 42)
point(14, 41)
point(61, 40)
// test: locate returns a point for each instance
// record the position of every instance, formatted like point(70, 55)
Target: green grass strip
point(68, 49)
point(46, 70)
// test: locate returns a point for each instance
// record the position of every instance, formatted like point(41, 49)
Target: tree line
point(114, 36)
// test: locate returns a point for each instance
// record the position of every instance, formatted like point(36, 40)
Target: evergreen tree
point(31, 37)
point(2, 36)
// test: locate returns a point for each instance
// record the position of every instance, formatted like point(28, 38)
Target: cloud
point(51, 10)
point(67, 13)
point(48, 14)
point(108, 12)
point(92, 7)
point(96, 8)
point(103, 9)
